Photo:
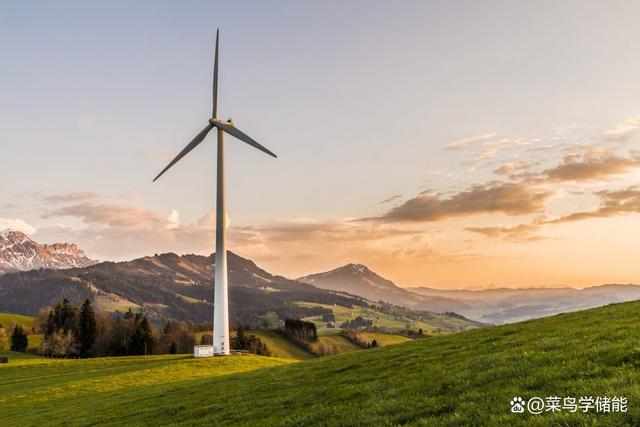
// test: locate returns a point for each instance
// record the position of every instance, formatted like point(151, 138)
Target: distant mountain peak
point(18, 252)
point(13, 235)
point(360, 268)
point(358, 279)
point(354, 278)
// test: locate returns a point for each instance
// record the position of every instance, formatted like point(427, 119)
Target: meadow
point(466, 378)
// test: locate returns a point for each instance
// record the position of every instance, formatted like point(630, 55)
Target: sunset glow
point(503, 159)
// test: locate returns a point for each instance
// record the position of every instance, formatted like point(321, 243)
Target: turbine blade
point(214, 113)
point(193, 144)
point(233, 131)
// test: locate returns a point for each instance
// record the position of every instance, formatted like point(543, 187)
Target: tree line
point(359, 339)
point(75, 332)
point(300, 330)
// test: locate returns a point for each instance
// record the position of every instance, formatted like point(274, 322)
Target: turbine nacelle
point(215, 122)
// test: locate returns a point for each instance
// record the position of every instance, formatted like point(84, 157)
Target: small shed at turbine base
point(203, 351)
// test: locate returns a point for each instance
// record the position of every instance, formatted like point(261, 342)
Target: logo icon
point(535, 405)
point(517, 405)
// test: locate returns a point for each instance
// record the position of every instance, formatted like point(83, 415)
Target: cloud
point(464, 143)
point(330, 231)
point(115, 231)
point(391, 199)
point(592, 166)
point(174, 219)
point(74, 197)
point(622, 132)
point(512, 167)
point(491, 149)
point(112, 215)
point(612, 203)
point(517, 233)
point(17, 224)
point(511, 198)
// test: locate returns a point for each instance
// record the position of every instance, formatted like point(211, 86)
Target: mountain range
point(181, 288)
point(507, 305)
point(19, 253)
point(496, 306)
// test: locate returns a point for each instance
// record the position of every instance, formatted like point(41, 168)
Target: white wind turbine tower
point(221, 302)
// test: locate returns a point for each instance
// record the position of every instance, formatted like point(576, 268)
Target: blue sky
point(359, 100)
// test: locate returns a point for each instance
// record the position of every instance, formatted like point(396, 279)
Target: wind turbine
point(221, 302)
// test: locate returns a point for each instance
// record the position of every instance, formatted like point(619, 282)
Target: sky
point(455, 144)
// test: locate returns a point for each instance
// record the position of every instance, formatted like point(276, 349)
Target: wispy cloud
point(611, 203)
point(513, 167)
point(391, 199)
point(511, 198)
point(592, 166)
point(623, 132)
point(461, 144)
point(74, 197)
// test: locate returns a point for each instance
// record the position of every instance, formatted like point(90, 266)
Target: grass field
point(7, 319)
point(385, 339)
point(24, 321)
point(280, 346)
point(328, 345)
point(459, 379)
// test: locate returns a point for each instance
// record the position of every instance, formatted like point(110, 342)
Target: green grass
point(279, 346)
point(34, 341)
point(385, 339)
point(7, 319)
point(328, 345)
point(25, 321)
point(459, 379)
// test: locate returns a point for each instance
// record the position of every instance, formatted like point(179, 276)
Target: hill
point(358, 279)
point(467, 378)
point(166, 286)
point(181, 288)
point(7, 319)
point(280, 346)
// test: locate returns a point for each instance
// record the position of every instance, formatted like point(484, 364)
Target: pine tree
point(19, 340)
point(142, 339)
point(50, 328)
point(87, 329)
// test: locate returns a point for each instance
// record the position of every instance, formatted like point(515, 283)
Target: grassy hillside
point(24, 321)
point(279, 346)
point(328, 345)
point(458, 379)
point(8, 319)
point(385, 339)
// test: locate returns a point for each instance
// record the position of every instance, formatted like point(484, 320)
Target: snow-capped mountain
point(19, 253)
